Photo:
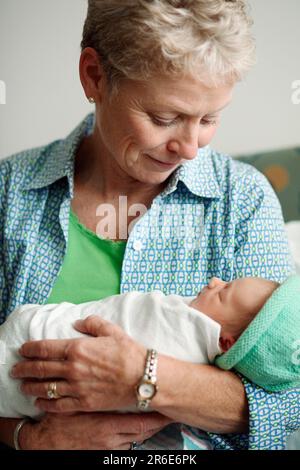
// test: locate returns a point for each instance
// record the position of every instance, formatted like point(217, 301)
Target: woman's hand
point(90, 431)
point(96, 373)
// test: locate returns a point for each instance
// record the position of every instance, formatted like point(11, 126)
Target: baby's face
point(233, 304)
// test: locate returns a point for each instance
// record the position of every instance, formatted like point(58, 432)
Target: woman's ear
point(91, 74)
point(226, 341)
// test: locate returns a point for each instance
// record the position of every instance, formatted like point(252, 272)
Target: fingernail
point(13, 372)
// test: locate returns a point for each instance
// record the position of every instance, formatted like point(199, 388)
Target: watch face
point(146, 390)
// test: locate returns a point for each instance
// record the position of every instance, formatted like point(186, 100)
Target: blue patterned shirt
point(216, 217)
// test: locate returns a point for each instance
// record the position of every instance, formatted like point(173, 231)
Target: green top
point(91, 269)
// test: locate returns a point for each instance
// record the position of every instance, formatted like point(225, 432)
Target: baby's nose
point(215, 281)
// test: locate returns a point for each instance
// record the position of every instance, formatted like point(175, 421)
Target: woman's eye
point(209, 122)
point(163, 123)
point(168, 123)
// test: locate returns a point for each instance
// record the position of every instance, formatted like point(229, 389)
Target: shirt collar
point(57, 161)
point(198, 175)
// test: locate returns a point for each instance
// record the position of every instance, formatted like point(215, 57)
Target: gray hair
point(138, 39)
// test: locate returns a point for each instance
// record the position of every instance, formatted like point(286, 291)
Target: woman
point(159, 72)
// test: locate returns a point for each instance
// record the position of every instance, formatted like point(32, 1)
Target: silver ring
point(52, 393)
point(133, 445)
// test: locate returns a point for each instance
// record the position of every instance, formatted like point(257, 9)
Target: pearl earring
point(91, 100)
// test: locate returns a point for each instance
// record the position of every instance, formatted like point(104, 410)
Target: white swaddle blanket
point(163, 322)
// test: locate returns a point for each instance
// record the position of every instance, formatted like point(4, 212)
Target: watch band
point(149, 377)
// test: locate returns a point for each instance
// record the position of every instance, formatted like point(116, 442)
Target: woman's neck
point(104, 177)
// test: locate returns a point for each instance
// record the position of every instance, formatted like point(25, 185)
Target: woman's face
point(150, 128)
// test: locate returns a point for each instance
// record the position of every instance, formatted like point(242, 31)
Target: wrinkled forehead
point(185, 95)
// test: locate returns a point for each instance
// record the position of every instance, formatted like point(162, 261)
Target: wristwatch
point(147, 388)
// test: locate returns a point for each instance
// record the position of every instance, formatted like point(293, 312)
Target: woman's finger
point(45, 349)
point(97, 326)
point(141, 424)
point(41, 389)
point(61, 405)
point(140, 437)
point(39, 369)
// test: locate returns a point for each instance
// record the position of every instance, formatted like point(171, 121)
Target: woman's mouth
point(161, 164)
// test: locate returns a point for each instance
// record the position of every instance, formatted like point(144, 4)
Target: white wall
point(262, 116)
point(39, 54)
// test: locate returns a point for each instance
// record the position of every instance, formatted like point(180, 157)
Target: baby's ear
point(226, 341)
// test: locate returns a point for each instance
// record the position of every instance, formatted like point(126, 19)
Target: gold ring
point(133, 445)
point(52, 393)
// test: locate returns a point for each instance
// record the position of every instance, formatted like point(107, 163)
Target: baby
point(249, 324)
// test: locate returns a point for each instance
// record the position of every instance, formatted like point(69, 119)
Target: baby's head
point(233, 304)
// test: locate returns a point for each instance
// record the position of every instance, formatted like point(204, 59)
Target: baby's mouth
point(202, 290)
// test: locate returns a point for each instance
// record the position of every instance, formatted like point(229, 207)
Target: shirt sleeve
point(3, 287)
point(272, 418)
point(261, 244)
point(262, 250)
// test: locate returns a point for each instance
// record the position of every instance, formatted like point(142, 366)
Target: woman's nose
point(185, 145)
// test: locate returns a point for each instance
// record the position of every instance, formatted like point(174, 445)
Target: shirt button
point(137, 245)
